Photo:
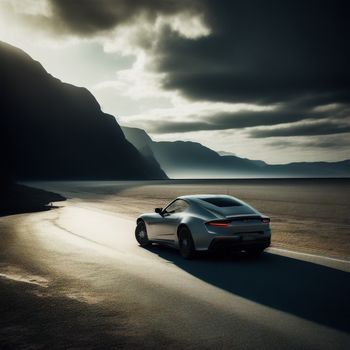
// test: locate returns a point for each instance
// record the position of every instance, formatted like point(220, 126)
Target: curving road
point(74, 277)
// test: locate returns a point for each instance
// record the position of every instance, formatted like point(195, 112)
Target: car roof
point(198, 199)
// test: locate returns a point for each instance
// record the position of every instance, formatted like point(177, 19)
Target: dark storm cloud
point(322, 142)
point(222, 121)
point(284, 113)
point(91, 16)
point(291, 54)
point(262, 52)
point(258, 51)
point(319, 128)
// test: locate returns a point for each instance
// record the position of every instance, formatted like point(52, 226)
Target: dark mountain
point(192, 160)
point(53, 130)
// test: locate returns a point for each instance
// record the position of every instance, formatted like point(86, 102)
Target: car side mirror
point(158, 210)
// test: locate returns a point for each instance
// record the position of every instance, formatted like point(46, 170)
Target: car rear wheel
point(186, 244)
point(141, 235)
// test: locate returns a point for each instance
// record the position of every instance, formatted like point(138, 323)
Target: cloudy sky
point(265, 80)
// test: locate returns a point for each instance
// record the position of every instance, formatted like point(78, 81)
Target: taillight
point(265, 220)
point(219, 223)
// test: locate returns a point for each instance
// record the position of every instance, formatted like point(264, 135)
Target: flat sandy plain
point(307, 215)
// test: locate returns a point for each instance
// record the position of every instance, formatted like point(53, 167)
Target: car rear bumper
point(238, 243)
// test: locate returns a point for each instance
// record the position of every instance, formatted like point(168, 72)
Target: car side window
point(177, 207)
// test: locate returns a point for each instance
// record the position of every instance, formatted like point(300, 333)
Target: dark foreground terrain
point(16, 199)
point(74, 278)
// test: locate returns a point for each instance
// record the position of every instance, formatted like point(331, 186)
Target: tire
point(141, 235)
point(186, 244)
point(255, 252)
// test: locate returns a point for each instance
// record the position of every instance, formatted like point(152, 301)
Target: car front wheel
point(141, 235)
point(186, 244)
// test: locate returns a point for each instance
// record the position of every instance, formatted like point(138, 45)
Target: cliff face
point(54, 130)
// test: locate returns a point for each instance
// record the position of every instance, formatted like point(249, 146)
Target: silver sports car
point(205, 223)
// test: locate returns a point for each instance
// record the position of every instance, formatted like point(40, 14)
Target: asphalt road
point(74, 277)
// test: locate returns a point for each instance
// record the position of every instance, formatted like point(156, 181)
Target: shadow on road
point(311, 291)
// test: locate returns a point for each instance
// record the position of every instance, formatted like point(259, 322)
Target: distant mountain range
point(53, 130)
point(181, 159)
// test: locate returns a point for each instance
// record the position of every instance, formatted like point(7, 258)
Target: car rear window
point(222, 202)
